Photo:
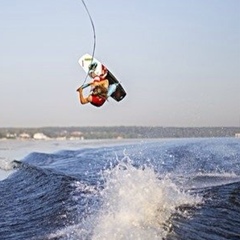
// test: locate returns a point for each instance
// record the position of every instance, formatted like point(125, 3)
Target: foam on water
point(137, 204)
point(6, 168)
point(6, 164)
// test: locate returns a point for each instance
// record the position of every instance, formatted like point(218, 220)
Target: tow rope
point(94, 36)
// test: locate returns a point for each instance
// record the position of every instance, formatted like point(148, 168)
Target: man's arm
point(82, 99)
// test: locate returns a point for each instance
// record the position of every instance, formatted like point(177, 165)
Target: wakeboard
point(100, 70)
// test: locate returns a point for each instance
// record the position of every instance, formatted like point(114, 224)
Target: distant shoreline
point(117, 132)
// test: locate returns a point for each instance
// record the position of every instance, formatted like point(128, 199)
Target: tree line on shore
point(120, 132)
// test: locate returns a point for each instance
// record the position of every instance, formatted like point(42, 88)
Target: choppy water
point(158, 189)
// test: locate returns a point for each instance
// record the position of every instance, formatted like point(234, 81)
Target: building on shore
point(40, 136)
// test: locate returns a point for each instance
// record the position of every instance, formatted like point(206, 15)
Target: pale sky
point(178, 60)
